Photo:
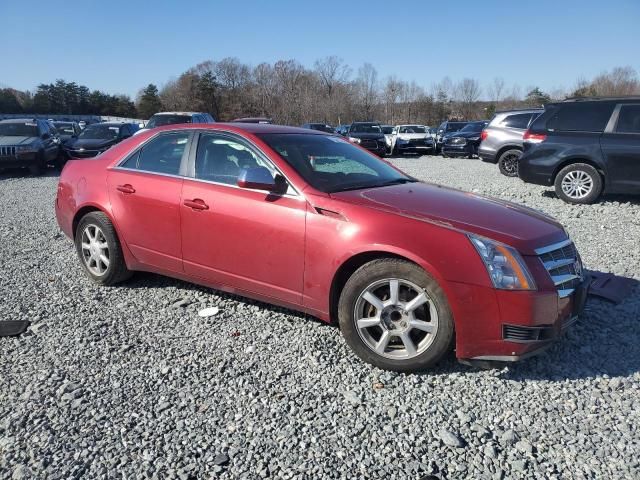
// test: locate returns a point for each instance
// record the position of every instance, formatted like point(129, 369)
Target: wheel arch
point(504, 148)
point(88, 208)
point(579, 159)
point(351, 264)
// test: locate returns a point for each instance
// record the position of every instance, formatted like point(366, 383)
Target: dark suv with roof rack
point(584, 147)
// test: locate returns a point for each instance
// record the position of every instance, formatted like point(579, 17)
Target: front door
point(245, 239)
point(145, 196)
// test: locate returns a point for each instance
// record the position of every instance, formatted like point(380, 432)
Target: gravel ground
point(130, 382)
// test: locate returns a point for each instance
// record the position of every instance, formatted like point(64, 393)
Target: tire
point(578, 183)
point(114, 270)
point(38, 167)
point(508, 162)
point(390, 323)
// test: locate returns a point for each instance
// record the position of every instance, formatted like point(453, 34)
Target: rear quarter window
point(519, 120)
point(579, 117)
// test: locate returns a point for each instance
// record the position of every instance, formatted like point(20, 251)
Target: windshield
point(332, 164)
point(473, 127)
point(387, 130)
point(454, 127)
point(413, 129)
point(64, 128)
point(160, 120)
point(28, 129)
point(365, 128)
point(100, 132)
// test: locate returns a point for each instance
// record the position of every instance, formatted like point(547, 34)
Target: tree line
point(292, 94)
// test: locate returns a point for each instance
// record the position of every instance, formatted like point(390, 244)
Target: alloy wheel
point(577, 184)
point(510, 164)
point(396, 318)
point(95, 250)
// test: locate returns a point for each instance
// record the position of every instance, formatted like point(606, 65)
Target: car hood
point(89, 143)
point(464, 135)
point(12, 140)
point(521, 227)
point(374, 136)
point(411, 136)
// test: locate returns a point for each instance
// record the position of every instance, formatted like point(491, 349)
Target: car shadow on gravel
point(605, 199)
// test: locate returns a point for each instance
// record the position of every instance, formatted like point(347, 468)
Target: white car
point(412, 139)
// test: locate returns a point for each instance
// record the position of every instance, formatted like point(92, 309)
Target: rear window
point(19, 129)
point(629, 119)
point(519, 120)
point(579, 117)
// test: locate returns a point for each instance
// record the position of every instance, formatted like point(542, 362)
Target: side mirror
point(260, 178)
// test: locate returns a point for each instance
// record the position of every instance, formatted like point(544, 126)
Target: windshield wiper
point(395, 181)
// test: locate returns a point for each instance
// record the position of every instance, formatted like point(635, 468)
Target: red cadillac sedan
point(307, 220)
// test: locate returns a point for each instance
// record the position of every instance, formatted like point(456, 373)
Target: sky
point(121, 46)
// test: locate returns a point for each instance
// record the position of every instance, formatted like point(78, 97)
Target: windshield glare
point(160, 120)
point(19, 129)
point(64, 128)
point(413, 129)
point(473, 127)
point(454, 127)
point(365, 128)
point(100, 132)
point(332, 164)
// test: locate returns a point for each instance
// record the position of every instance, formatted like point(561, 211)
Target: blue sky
point(120, 46)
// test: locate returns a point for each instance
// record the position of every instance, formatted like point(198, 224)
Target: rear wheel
point(99, 250)
point(395, 316)
point(578, 183)
point(508, 162)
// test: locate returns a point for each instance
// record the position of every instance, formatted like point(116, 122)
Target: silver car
point(412, 139)
point(502, 139)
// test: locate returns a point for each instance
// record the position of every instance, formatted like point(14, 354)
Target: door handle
point(196, 204)
point(126, 188)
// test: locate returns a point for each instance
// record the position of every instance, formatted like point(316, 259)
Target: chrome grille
point(7, 151)
point(563, 263)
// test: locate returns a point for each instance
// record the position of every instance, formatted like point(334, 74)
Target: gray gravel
point(131, 382)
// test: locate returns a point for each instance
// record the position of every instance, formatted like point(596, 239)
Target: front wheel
point(508, 162)
point(578, 183)
point(99, 250)
point(395, 316)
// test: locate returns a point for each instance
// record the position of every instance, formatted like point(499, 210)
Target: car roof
point(114, 124)
point(20, 120)
point(628, 98)
point(255, 128)
point(178, 113)
point(521, 110)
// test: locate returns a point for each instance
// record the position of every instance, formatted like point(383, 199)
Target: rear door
point(620, 145)
point(145, 194)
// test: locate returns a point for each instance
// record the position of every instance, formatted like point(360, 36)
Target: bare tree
point(367, 89)
point(467, 93)
point(495, 90)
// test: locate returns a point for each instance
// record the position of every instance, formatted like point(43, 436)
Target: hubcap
point(396, 318)
point(577, 184)
point(95, 250)
point(511, 163)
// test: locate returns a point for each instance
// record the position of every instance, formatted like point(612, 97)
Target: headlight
point(354, 140)
point(474, 138)
point(506, 268)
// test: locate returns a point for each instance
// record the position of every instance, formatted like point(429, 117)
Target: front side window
point(161, 155)
point(332, 164)
point(629, 119)
point(221, 158)
point(580, 117)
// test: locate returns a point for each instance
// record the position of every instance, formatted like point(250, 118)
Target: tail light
point(483, 135)
point(534, 137)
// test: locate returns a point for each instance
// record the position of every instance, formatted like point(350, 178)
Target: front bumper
point(17, 160)
point(488, 156)
point(464, 149)
point(517, 325)
point(71, 153)
point(426, 146)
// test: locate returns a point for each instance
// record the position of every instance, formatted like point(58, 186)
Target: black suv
point(445, 129)
point(321, 127)
point(368, 135)
point(97, 138)
point(464, 142)
point(584, 147)
point(29, 143)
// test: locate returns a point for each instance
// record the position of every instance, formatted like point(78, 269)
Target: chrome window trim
point(192, 138)
point(552, 247)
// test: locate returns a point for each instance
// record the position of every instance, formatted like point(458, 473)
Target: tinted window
point(387, 129)
point(65, 128)
point(365, 128)
point(332, 164)
point(160, 155)
point(159, 120)
point(629, 119)
point(580, 117)
point(100, 132)
point(520, 120)
point(220, 159)
point(22, 129)
point(454, 127)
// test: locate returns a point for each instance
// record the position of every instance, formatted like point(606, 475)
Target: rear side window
point(580, 117)
point(629, 119)
point(520, 120)
point(161, 155)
